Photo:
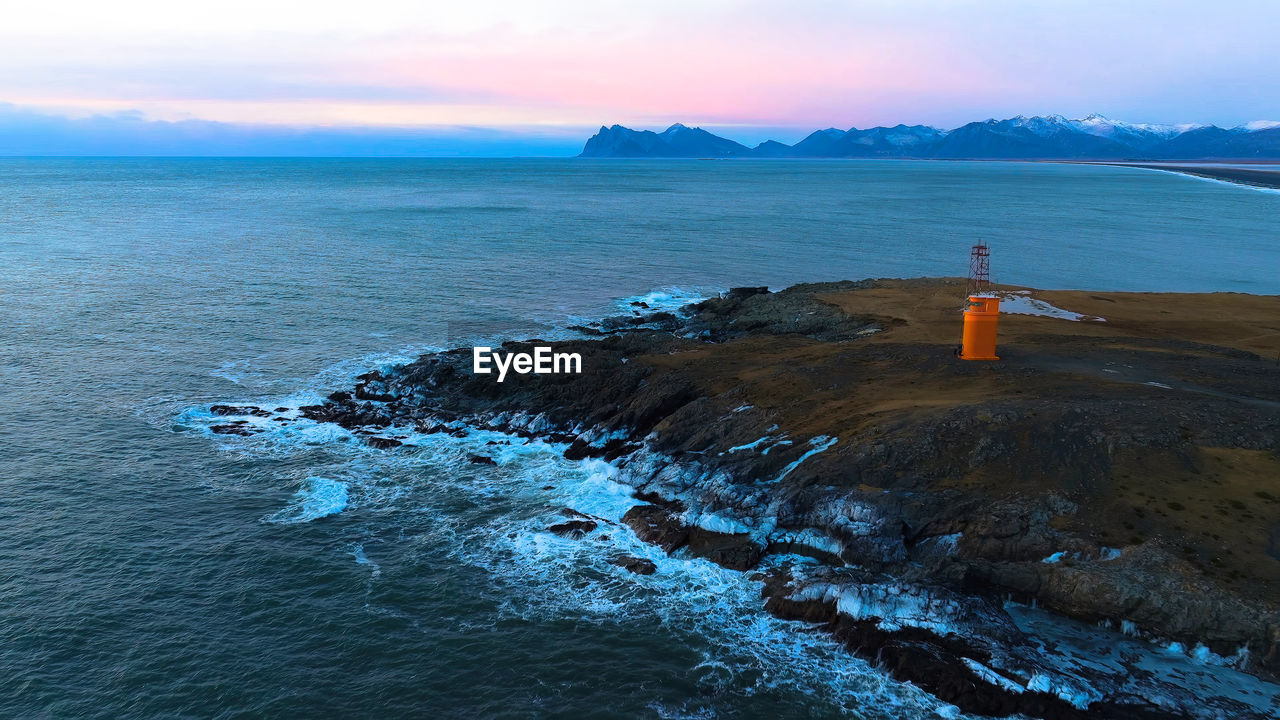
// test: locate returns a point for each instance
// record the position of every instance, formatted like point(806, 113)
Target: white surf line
point(1217, 181)
point(577, 579)
point(668, 299)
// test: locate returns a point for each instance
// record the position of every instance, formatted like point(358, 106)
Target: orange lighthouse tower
point(982, 313)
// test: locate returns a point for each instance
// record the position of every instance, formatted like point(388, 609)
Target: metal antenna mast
point(980, 269)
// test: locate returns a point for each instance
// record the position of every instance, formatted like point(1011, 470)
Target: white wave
point(664, 299)
point(362, 559)
point(1216, 181)
point(496, 519)
point(546, 576)
point(343, 374)
point(318, 497)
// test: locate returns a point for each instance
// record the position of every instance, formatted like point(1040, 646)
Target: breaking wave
point(496, 518)
point(318, 497)
point(664, 299)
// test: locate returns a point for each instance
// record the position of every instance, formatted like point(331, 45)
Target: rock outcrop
point(1118, 473)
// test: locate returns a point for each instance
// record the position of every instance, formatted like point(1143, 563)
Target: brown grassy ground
point(1217, 504)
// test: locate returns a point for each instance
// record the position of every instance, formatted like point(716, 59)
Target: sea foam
point(318, 497)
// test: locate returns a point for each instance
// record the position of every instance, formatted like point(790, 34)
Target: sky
point(538, 76)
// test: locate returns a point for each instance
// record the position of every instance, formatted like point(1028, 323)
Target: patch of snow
point(948, 543)
point(1104, 554)
point(780, 443)
point(810, 538)
point(1020, 302)
point(1079, 697)
point(1201, 674)
point(991, 677)
point(1100, 126)
point(718, 523)
point(750, 445)
point(819, 443)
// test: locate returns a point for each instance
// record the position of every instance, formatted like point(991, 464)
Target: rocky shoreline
point(930, 493)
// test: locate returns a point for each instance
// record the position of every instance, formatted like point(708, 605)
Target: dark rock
point(481, 460)
point(616, 448)
point(741, 293)
point(232, 429)
point(580, 450)
point(573, 528)
point(367, 392)
point(736, 552)
point(639, 566)
point(340, 397)
point(238, 410)
point(654, 498)
point(382, 443)
point(657, 526)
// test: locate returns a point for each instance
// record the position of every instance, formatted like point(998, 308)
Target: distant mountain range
point(1050, 137)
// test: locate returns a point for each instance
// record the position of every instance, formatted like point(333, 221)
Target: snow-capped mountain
point(1024, 138)
point(1096, 124)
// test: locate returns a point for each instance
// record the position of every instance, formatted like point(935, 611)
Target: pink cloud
point(752, 77)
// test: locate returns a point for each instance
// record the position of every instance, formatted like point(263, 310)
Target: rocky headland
point(1117, 467)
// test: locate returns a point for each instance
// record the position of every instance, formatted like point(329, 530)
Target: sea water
point(150, 568)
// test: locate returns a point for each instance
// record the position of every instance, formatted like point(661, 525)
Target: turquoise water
point(149, 569)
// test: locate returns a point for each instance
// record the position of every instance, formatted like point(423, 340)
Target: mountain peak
point(676, 141)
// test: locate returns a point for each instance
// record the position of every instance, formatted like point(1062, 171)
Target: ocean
point(152, 569)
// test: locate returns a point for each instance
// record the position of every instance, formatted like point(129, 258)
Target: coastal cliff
point(1118, 466)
